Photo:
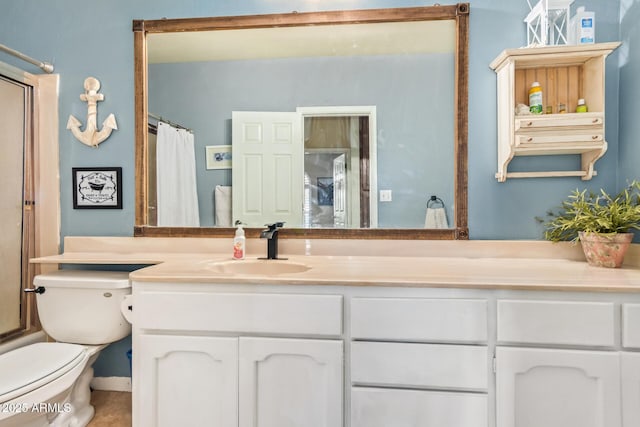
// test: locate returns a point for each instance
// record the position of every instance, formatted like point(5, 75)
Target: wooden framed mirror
point(386, 167)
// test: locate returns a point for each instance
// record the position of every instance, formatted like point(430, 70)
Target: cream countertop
point(461, 265)
point(482, 273)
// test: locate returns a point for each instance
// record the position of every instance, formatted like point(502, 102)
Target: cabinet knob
point(530, 139)
point(594, 137)
point(529, 123)
point(595, 121)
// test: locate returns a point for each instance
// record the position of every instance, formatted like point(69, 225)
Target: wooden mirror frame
point(458, 12)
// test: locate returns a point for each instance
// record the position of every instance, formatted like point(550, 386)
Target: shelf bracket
point(589, 159)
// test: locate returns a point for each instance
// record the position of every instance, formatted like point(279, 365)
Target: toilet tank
point(83, 306)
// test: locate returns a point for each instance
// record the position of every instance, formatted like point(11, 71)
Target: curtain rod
point(162, 119)
point(44, 66)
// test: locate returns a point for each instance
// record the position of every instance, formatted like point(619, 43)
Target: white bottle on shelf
point(582, 27)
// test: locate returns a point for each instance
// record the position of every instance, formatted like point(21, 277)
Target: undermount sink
point(259, 267)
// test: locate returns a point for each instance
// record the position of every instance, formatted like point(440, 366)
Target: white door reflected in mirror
point(317, 175)
point(267, 168)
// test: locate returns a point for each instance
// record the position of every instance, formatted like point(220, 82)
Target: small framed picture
point(218, 156)
point(97, 188)
point(325, 191)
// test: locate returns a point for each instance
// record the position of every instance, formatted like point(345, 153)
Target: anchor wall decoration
point(91, 136)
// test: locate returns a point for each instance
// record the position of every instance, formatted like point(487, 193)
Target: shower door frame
point(27, 222)
point(41, 186)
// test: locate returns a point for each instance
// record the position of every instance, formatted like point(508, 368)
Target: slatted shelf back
point(560, 85)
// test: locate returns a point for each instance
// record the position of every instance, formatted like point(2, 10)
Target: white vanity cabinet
point(557, 388)
point(278, 381)
point(290, 382)
point(539, 381)
point(204, 357)
point(186, 377)
point(246, 355)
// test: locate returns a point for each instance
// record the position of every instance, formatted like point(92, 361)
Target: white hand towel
point(222, 196)
point(436, 218)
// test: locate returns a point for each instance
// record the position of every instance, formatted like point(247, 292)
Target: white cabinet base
point(274, 356)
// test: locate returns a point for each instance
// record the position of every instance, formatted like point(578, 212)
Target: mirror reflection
point(331, 120)
point(336, 167)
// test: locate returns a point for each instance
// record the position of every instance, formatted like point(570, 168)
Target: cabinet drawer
point(228, 312)
point(556, 322)
point(371, 407)
point(559, 137)
point(419, 365)
point(419, 319)
point(631, 325)
point(590, 120)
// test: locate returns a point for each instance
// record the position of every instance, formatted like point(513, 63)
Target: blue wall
point(629, 59)
point(85, 38)
point(94, 38)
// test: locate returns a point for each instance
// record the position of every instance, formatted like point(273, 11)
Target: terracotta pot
point(605, 250)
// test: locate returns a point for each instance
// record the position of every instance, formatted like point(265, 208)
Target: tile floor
point(113, 409)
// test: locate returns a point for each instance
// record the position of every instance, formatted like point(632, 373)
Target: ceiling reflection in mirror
point(286, 103)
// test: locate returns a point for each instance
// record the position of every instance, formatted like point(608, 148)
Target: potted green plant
point(601, 222)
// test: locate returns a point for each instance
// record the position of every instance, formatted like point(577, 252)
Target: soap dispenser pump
point(239, 242)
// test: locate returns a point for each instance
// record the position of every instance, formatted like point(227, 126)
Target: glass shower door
point(14, 124)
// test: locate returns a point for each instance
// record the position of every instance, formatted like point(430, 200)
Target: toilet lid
point(24, 368)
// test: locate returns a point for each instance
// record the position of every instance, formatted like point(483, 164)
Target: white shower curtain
point(176, 178)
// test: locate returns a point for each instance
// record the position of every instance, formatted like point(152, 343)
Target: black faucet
point(271, 234)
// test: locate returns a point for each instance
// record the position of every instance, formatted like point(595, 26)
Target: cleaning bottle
point(582, 27)
point(582, 107)
point(535, 98)
point(239, 242)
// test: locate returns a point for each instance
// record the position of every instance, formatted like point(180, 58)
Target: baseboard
point(111, 383)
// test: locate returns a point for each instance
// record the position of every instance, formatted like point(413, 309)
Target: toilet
point(47, 384)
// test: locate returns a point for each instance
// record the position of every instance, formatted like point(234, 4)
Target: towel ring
point(433, 200)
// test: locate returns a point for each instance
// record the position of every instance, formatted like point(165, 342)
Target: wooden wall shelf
point(566, 74)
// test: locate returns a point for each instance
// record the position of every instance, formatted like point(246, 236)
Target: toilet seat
point(28, 368)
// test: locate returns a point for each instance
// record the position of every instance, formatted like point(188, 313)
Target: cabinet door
point(630, 389)
point(557, 388)
point(290, 383)
point(182, 380)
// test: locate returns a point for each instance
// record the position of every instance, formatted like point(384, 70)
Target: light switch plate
point(385, 195)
